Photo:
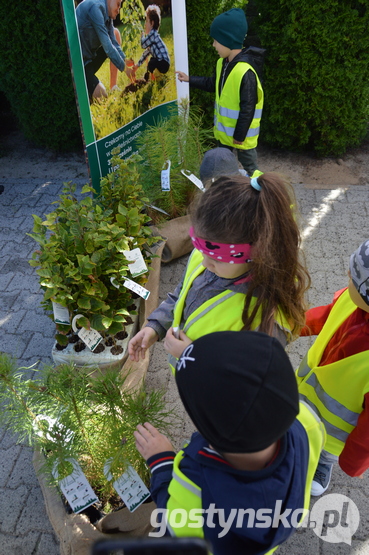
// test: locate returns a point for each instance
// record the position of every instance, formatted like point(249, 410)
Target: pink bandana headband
point(231, 253)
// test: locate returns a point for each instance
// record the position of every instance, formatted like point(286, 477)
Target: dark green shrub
point(316, 74)
point(35, 73)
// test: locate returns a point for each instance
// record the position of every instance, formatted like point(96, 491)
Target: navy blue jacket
point(281, 486)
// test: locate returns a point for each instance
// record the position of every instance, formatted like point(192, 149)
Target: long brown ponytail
point(231, 211)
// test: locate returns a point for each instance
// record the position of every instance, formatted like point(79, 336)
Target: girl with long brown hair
point(244, 273)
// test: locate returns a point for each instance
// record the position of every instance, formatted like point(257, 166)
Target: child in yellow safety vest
point(333, 378)
point(237, 85)
point(244, 272)
point(243, 482)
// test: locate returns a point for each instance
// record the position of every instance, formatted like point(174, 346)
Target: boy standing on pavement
point(248, 469)
point(333, 378)
point(239, 95)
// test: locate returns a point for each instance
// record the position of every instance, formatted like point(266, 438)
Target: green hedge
point(35, 74)
point(316, 74)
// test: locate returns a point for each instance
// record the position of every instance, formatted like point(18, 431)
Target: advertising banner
point(123, 61)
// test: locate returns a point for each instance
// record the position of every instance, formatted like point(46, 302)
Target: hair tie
point(255, 184)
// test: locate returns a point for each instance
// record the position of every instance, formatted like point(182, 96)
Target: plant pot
point(76, 533)
point(178, 242)
point(79, 354)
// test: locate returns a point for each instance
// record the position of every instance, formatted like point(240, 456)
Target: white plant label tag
point(61, 314)
point(131, 489)
point(133, 286)
point(91, 337)
point(195, 180)
point(76, 488)
point(165, 177)
point(138, 265)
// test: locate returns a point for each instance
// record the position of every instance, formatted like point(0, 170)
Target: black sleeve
point(203, 83)
point(248, 100)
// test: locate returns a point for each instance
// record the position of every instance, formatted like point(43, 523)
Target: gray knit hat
point(216, 162)
point(359, 269)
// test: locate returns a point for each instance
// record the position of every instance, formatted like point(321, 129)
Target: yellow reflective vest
point(185, 495)
point(227, 106)
point(335, 391)
point(220, 313)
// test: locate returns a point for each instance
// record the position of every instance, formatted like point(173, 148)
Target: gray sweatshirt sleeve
point(161, 318)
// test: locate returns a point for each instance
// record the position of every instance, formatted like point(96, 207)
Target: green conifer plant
point(183, 140)
point(88, 416)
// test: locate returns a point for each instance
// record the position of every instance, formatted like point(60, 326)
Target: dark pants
point(247, 157)
point(160, 65)
point(93, 67)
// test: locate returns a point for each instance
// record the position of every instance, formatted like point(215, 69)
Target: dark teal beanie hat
point(230, 28)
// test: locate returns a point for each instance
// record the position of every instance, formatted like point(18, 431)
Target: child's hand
point(237, 142)
point(174, 346)
point(182, 76)
point(149, 441)
point(141, 342)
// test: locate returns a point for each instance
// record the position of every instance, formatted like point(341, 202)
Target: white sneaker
point(321, 480)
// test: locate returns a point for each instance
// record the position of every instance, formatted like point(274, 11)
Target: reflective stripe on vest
point(227, 106)
point(335, 391)
point(185, 495)
point(213, 315)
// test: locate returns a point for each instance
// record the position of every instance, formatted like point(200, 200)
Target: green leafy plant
point(72, 414)
point(81, 250)
point(181, 139)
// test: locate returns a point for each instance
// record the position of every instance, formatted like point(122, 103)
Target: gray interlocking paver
point(333, 223)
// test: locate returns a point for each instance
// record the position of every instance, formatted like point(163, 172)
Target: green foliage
point(71, 413)
point(35, 73)
point(202, 56)
point(316, 77)
point(81, 246)
point(182, 139)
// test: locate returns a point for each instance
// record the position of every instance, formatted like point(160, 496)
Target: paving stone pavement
point(334, 222)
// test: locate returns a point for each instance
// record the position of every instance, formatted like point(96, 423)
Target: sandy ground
point(22, 159)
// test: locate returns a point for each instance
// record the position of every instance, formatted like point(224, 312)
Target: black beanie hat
point(239, 389)
point(230, 28)
point(216, 162)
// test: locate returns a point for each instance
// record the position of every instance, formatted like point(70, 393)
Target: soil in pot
point(73, 338)
point(121, 335)
point(59, 347)
point(116, 350)
point(109, 342)
point(100, 348)
point(79, 346)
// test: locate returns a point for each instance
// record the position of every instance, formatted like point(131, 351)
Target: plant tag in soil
point(133, 286)
point(165, 177)
point(138, 266)
point(61, 314)
point(131, 488)
point(76, 488)
point(91, 337)
point(195, 180)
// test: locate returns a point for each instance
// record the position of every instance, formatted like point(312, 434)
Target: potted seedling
point(93, 261)
point(172, 150)
point(81, 426)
